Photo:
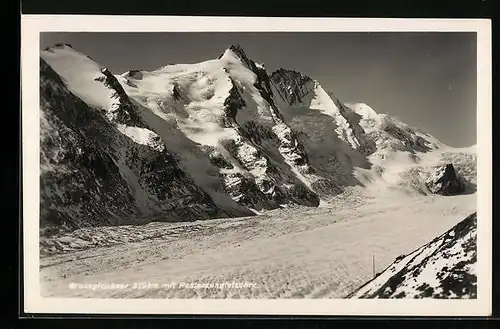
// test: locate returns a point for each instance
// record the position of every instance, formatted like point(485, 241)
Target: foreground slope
point(442, 268)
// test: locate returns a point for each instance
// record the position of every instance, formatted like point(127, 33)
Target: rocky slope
point(343, 140)
point(104, 165)
point(213, 139)
point(299, 96)
point(442, 268)
point(226, 106)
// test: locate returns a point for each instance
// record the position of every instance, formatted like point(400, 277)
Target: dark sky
point(426, 80)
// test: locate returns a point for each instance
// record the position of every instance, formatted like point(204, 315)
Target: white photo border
point(32, 25)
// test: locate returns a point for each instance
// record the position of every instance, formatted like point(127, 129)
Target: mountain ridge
point(246, 140)
point(93, 172)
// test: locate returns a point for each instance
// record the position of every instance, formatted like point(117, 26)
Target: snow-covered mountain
point(226, 107)
point(213, 139)
point(100, 163)
point(442, 268)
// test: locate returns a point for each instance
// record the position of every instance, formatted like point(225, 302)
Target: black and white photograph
point(306, 166)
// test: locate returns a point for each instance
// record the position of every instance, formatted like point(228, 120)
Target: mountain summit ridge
point(245, 140)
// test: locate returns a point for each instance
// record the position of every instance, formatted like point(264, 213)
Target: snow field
point(321, 253)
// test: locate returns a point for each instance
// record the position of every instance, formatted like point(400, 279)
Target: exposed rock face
point(289, 145)
point(301, 92)
point(442, 268)
point(279, 134)
point(291, 85)
point(406, 136)
point(107, 168)
point(233, 103)
point(121, 111)
point(314, 114)
point(465, 165)
point(79, 184)
point(445, 181)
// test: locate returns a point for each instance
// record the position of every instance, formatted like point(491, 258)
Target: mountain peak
point(134, 74)
point(238, 50)
point(58, 46)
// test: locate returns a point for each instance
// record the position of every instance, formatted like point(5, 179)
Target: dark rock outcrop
point(122, 110)
point(135, 74)
point(445, 181)
point(232, 104)
point(291, 85)
point(176, 92)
